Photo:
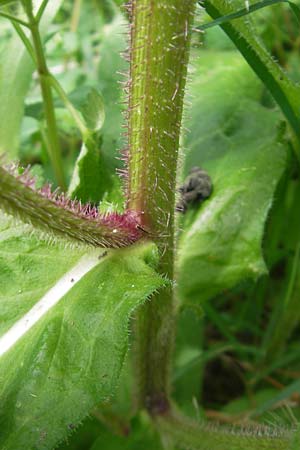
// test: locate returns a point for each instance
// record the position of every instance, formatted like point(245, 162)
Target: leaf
point(142, 436)
point(279, 398)
point(91, 177)
point(296, 10)
point(70, 358)
point(107, 8)
point(16, 70)
point(234, 138)
point(93, 110)
point(87, 170)
point(76, 98)
point(285, 92)
point(83, 437)
point(111, 64)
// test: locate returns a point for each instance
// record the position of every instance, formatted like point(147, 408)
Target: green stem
point(14, 19)
point(188, 434)
point(75, 15)
point(45, 83)
point(64, 218)
point(25, 41)
point(55, 84)
point(160, 37)
point(41, 10)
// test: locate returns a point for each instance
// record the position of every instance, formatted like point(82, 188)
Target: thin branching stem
point(14, 19)
point(26, 41)
point(53, 144)
point(41, 10)
point(75, 15)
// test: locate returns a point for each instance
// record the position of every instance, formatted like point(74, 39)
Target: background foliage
point(237, 358)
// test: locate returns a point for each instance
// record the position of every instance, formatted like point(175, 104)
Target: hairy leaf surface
point(93, 110)
point(234, 137)
point(244, 36)
point(53, 374)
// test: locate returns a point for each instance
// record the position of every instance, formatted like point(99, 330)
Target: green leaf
point(62, 350)
point(234, 138)
point(108, 78)
point(282, 396)
point(76, 98)
point(91, 178)
point(16, 68)
point(107, 8)
point(296, 10)
point(284, 91)
point(142, 435)
point(93, 110)
point(83, 437)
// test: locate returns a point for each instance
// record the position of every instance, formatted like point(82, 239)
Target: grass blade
point(244, 11)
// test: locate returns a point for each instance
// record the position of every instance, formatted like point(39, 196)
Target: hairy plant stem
point(64, 218)
point(160, 37)
point(53, 145)
point(188, 434)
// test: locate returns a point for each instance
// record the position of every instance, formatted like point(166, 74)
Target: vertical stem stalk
point(160, 37)
point(45, 83)
point(75, 15)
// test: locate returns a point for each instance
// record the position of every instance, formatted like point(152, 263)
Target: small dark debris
point(72, 280)
point(102, 255)
point(196, 188)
